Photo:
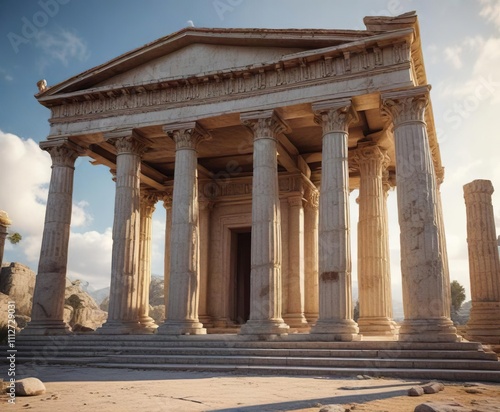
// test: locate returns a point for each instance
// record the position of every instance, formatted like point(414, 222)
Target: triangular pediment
point(196, 59)
point(198, 50)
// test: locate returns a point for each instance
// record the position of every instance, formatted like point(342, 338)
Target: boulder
point(433, 387)
point(29, 387)
point(18, 281)
point(448, 406)
point(85, 310)
point(416, 391)
point(332, 408)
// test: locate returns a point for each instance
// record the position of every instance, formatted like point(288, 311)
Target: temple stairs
point(292, 355)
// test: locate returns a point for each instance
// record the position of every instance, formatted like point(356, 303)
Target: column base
point(428, 330)
point(345, 330)
point(46, 327)
point(265, 327)
point(116, 327)
point(483, 322)
point(296, 320)
point(377, 326)
point(148, 323)
point(172, 327)
point(312, 317)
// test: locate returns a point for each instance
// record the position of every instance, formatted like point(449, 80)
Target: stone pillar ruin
point(422, 263)
point(294, 316)
point(125, 296)
point(374, 273)
point(148, 201)
point(311, 305)
point(265, 277)
point(48, 299)
point(184, 284)
point(335, 289)
point(484, 263)
point(4, 223)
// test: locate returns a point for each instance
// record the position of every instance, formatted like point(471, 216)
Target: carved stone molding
point(296, 201)
point(311, 198)
point(407, 106)
point(371, 154)
point(334, 116)
point(167, 200)
point(149, 199)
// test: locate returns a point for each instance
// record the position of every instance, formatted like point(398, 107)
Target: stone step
point(403, 373)
point(90, 350)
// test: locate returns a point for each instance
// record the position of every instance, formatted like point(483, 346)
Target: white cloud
point(453, 55)
point(62, 46)
point(490, 10)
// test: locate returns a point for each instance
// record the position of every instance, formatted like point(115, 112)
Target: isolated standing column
point(484, 263)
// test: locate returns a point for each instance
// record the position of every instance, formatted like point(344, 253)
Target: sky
point(57, 39)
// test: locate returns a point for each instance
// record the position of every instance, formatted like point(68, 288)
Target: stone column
point(4, 223)
point(484, 263)
point(294, 316)
point(184, 289)
point(48, 299)
point(265, 283)
point(205, 208)
point(422, 262)
point(125, 298)
point(148, 201)
point(335, 289)
point(374, 276)
point(167, 203)
point(311, 255)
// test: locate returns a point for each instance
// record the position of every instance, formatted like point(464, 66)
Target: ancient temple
point(252, 139)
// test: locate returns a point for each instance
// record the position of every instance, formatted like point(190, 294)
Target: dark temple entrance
point(240, 267)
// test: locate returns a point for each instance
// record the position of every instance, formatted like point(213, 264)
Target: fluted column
point(205, 208)
point(184, 289)
point(294, 315)
point(374, 276)
point(167, 203)
point(484, 263)
point(422, 262)
point(125, 298)
point(311, 256)
point(148, 201)
point(335, 288)
point(265, 282)
point(4, 224)
point(48, 299)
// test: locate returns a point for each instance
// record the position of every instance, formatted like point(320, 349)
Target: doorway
point(241, 240)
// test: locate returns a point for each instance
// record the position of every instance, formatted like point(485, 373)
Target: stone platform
point(291, 355)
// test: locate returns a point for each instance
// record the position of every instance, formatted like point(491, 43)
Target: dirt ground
point(104, 390)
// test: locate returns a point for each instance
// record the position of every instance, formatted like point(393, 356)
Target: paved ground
point(103, 390)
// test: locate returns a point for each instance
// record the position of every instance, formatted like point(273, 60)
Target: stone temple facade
point(252, 139)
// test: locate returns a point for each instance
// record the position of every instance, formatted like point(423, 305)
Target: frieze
point(224, 85)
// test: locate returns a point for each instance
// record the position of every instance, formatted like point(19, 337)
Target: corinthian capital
point(334, 116)
point(187, 135)
point(265, 124)
point(406, 106)
point(63, 152)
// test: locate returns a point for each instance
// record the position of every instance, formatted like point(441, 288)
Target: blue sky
point(57, 39)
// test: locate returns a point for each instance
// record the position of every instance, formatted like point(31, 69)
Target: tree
point(14, 238)
point(457, 296)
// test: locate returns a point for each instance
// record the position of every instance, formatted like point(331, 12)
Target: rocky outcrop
point(80, 308)
point(18, 282)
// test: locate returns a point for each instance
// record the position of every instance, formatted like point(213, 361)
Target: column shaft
point(148, 201)
point(265, 288)
point(124, 298)
point(374, 277)
point(48, 299)
point(335, 291)
point(205, 208)
point(311, 256)
point(422, 263)
point(294, 315)
point(167, 203)
point(184, 289)
point(484, 263)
